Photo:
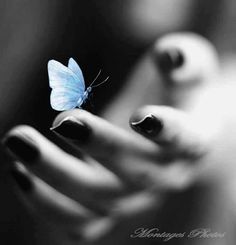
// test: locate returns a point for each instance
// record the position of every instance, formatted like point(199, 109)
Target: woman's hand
point(122, 178)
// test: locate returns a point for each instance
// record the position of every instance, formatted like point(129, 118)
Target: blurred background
point(108, 35)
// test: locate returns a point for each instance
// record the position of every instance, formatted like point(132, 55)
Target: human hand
point(123, 179)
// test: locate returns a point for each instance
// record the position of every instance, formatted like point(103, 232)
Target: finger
point(136, 160)
point(46, 202)
point(133, 209)
point(121, 151)
point(187, 62)
point(172, 129)
point(186, 57)
point(67, 174)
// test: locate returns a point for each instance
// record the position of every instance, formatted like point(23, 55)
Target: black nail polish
point(22, 148)
point(169, 60)
point(22, 180)
point(73, 130)
point(149, 125)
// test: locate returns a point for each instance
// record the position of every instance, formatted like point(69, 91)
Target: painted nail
point(21, 179)
point(149, 125)
point(169, 60)
point(73, 129)
point(22, 148)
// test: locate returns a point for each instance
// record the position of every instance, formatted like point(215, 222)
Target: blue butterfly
point(68, 86)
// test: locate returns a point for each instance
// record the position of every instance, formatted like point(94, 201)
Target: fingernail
point(21, 179)
point(149, 125)
point(170, 60)
point(73, 129)
point(22, 148)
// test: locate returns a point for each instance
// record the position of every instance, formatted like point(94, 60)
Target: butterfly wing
point(66, 86)
point(62, 99)
point(74, 67)
point(62, 76)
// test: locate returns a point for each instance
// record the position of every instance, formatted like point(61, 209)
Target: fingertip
point(148, 125)
point(138, 114)
point(19, 144)
point(18, 129)
point(22, 131)
point(73, 129)
point(63, 116)
point(144, 121)
point(185, 57)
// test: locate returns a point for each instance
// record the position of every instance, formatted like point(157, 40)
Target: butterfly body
point(84, 97)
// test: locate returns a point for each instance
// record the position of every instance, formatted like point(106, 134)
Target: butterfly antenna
point(94, 80)
point(101, 83)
